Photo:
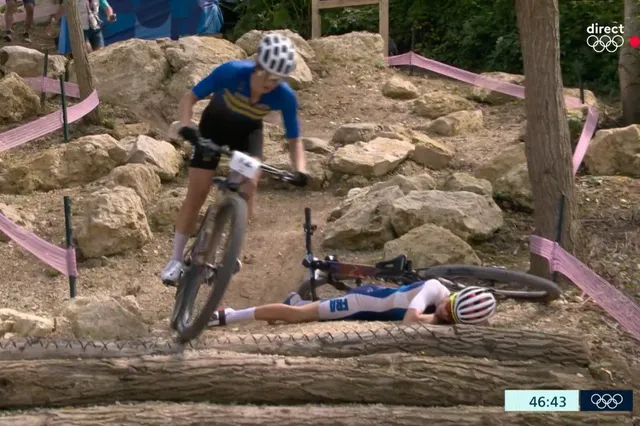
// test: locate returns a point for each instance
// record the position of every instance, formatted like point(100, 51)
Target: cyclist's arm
point(292, 128)
point(204, 88)
point(431, 293)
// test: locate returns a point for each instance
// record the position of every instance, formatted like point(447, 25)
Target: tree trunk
point(548, 145)
point(629, 65)
point(227, 377)
point(192, 414)
point(477, 342)
point(80, 60)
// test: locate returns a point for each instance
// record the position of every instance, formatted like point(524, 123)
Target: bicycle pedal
point(170, 283)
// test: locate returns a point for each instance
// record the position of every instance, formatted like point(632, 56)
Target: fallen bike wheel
point(531, 287)
point(231, 211)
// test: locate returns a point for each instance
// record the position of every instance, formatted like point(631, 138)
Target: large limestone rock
point(435, 104)
point(114, 221)
point(491, 97)
point(350, 48)
point(127, 71)
point(465, 182)
point(615, 151)
point(193, 58)
point(78, 162)
point(139, 177)
point(29, 62)
point(16, 215)
point(17, 100)
point(375, 158)
point(249, 42)
point(400, 88)
point(317, 145)
point(161, 156)
point(21, 324)
point(431, 245)
point(355, 132)
point(457, 123)
point(499, 165)
point(430, 152)
point(105, 318)
point(366, 225)
point(406, 185)
point(469, 216)
point(164, 212)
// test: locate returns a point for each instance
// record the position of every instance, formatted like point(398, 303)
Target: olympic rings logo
point(606, 400)
point(605, 42)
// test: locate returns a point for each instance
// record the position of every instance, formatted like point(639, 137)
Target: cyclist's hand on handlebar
point(299, 179)
point(189, 133)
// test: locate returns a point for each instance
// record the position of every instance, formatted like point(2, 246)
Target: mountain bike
point(399, 271)
point(200, 265)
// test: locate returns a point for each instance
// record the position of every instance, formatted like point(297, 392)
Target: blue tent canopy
point(152, 19)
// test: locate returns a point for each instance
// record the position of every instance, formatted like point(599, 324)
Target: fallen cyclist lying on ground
point(425, 301)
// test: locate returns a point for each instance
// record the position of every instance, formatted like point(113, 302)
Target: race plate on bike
point(244, 164)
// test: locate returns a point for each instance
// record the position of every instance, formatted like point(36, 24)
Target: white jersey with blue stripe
point(375, 303)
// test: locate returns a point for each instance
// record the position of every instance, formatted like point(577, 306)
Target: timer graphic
point(541, 400)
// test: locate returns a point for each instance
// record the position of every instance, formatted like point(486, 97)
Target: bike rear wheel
point(233, 210)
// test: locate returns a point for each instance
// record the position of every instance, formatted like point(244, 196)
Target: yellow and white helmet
point(472, 305)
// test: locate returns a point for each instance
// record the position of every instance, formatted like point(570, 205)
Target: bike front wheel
point(232, 211)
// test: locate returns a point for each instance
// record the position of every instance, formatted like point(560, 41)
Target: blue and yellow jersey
point(229, 83)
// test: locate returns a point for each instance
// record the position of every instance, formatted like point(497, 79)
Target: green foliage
point(476, 35)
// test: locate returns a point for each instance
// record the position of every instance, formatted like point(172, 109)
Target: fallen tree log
point(480, 342)
point(228, 377)
point(192, 414)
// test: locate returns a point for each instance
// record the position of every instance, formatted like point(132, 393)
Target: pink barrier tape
point(47, 124)
point(63, 260)
point(507, 88)
point(40, 11)
point(612, 300)
point(51, 85)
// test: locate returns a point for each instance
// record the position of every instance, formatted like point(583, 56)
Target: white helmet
point(473, 305)
point(277, 54)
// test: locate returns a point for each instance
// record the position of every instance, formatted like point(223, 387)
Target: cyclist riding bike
point(421, 302)
point(244, 92)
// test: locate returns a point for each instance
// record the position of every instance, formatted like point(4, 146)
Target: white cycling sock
point(179, 243)
point(241, 315)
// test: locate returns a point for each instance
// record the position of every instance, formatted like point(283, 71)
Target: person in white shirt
point(424, 302)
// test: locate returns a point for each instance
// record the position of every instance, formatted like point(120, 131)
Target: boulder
point(21, 324)
point(400, 88)
point(19, 217)
point(615, 151)
point(487, 96)
point(406, 185)
point(355, 132)
point(29, 62)
point(435, 104)
point(113, 222)
point(466, 182)
point(127, 71)
point(17, 99)
point(249, 42)
point(431, 245)
point(500, 164)
point(317, 145)
point(105, 318)
point(470, 216)
point(161, 156)
point(139, 177)
point(375, 158)
point(78, 162)
point(457, 123)
point(347, 49)
point(366, 225)
point(163, 214)
point(429, 152)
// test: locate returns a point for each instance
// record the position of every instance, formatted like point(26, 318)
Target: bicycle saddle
point(395, 266)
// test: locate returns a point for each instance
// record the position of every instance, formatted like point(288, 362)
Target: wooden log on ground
point(229, 377)
point(192, 414)
point(480, 342)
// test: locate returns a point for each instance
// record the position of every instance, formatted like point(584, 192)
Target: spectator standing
point(12, 6)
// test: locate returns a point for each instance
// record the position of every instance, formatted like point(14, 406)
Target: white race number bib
point(244, 164)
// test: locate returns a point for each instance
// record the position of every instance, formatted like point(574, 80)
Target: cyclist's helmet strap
point(472, 305)
point(277, 54)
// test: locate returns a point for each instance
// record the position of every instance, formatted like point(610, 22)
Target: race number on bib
point(244, 164)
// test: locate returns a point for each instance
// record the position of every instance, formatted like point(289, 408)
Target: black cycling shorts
point(224, 129)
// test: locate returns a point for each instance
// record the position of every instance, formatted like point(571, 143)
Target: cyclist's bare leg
point(250, 189)
point(286, 313)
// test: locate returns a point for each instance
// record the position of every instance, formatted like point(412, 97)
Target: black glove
point(189, 133)
point(299, 179)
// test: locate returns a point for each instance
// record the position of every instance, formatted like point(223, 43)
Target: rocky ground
point(399, 163)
